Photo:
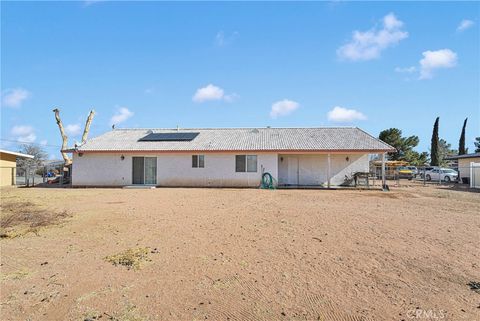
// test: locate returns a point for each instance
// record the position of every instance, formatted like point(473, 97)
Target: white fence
point(474, 175)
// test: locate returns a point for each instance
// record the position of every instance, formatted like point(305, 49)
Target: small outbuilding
point(468, 172)
point(8, 166)
point(224, 157)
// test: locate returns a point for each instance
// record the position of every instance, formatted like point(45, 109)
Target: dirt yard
point(240, 254)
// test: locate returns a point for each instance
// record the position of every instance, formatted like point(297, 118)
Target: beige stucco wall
point(464, 165)
point(7, 169)
point(313, 169)
point(173, 169)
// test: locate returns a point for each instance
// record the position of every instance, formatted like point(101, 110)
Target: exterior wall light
point(122, 157)
point(80, 154)
point(347, 158)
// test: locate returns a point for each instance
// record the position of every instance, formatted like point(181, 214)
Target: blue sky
point(283, 64)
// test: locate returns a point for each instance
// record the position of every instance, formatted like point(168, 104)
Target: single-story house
point(229, 157)
point(464, 165)
point(8, 166)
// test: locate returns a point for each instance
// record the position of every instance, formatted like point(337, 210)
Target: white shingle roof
point(241, 139)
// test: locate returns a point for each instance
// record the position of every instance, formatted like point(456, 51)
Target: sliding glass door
point(138, 170)
point(151, 170)
point(144, 170)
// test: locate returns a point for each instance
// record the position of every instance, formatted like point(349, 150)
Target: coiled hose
point(267, 181)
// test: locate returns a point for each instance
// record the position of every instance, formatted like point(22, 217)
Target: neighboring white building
point(224, 157)
point(465, 169)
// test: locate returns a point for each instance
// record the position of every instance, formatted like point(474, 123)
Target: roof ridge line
point(228, 128)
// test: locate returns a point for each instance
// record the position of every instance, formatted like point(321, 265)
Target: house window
point(251, 163)
point(246, 163)
point(198, 161)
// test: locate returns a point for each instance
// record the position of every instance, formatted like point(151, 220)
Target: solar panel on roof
point(169, 137)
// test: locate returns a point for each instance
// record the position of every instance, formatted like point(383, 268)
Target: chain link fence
point(58, 175)
point(55, 175)
point(463, 176)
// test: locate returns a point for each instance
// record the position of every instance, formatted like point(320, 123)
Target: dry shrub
point(18, 218)
point(131, 258)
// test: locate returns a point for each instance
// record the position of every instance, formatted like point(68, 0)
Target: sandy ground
point(245, 254)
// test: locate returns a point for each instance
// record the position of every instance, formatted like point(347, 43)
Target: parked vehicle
point(414, 170)
point(442, 174)
point(51, 174)
point(426, 169)
point(405, 172)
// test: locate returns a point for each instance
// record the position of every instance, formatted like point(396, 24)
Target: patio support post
point(328, 170)
point(472, 177)
point(384, 182)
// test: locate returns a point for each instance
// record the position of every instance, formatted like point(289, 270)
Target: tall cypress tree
point(435, 157)
point(461, 143)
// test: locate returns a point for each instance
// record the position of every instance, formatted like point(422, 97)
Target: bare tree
point(38, 153)
point(67, 159)
point(87, 126)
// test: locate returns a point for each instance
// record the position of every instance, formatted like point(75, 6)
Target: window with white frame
point(198, 161)
point(245, 163)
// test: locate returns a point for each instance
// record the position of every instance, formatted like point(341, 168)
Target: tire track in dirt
point(238, 299)
point(321, 308)
point(235, 299)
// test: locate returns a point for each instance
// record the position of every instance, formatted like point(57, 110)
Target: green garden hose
point(267, 181)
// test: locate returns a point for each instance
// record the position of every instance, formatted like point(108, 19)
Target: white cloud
point(223, 40)
point(465, 24)
point(344, 115)
point(23, 133)
point(406, 70)
point(367, 45)
point(283, 108)
point(14, 97)
point(21, 130)
point(120, 116)
point(443, 58)
point(212, 92)
point(73, 129)
point(43, 142)
point(209, 92)
point(391, 22)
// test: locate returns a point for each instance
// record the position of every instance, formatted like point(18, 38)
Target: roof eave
point(464, 156)
point(16, 154)
point(374, 151)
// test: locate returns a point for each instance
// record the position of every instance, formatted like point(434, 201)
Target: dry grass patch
point(19, 217)
point(131, 258)
point(16, 275)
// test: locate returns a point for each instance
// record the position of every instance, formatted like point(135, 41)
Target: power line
point(28, 143)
